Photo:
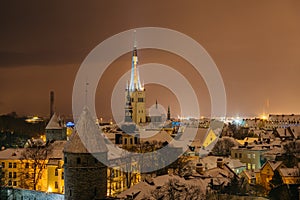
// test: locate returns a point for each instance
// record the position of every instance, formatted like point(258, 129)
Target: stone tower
point(137, 91)
point(51, 103)
point(169, 114)
point(55, 129)
point(85, 176)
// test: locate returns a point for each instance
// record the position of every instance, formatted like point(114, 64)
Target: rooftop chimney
point(220, 163)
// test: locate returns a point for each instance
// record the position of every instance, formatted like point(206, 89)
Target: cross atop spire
point(134, 39)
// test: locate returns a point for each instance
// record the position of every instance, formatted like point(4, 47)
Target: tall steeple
point(135, 93)
point(135, 83)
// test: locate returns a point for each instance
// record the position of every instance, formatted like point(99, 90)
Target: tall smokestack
point(51, 103)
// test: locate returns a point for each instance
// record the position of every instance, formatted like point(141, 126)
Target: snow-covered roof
point(143, 189)
point(54, 123)
point(160, 136)
point(87, 137)
point(289, 172)
point(57, 149)
point(11, 154)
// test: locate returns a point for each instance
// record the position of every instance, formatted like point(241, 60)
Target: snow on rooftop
point(87, 137)
point(54, 123)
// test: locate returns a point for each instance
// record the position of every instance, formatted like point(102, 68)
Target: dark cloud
point(255, 44)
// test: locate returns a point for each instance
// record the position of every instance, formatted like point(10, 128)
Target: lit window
point(249, 155)
point(248, 166)
point(253, 166)
point(140, 100)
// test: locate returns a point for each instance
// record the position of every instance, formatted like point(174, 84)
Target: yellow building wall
point(117, 179)
point(266, 174)
point(138, 108)
point(52, 181)
point(291, 180)
point(19, 174)
point(55, 179)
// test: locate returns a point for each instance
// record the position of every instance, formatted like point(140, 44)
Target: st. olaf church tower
point(136, 91)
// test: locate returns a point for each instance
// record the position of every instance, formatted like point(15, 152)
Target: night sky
point(254, 43)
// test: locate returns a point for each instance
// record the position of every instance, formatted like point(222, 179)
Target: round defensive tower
point(85, 176)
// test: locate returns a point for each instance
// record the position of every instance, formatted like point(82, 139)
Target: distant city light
point(70, 124)
point(34, 119)
point(264, 117)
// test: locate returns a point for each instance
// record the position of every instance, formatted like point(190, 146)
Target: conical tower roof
point(86, 137)
point(54, 123)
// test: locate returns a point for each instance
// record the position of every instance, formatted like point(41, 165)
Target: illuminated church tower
point(137, 92)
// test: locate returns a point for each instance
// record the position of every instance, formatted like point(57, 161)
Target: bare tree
point(174, 189)
point(2, 183)
point(223, 147)
point(34, 160)
point(291, 149)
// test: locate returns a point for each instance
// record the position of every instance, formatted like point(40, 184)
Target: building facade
point(251, 156)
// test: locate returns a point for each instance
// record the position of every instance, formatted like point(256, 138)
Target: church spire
point(135, 83)
point(128, 107)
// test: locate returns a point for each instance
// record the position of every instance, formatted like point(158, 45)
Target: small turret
point(55, 129)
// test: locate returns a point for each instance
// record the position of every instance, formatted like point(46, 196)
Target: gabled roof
point(54, 123)
point(284, 132)
point(289, 172)
point(249, 174)
point(273, 164)
point(87, 137)
point(296, 131)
